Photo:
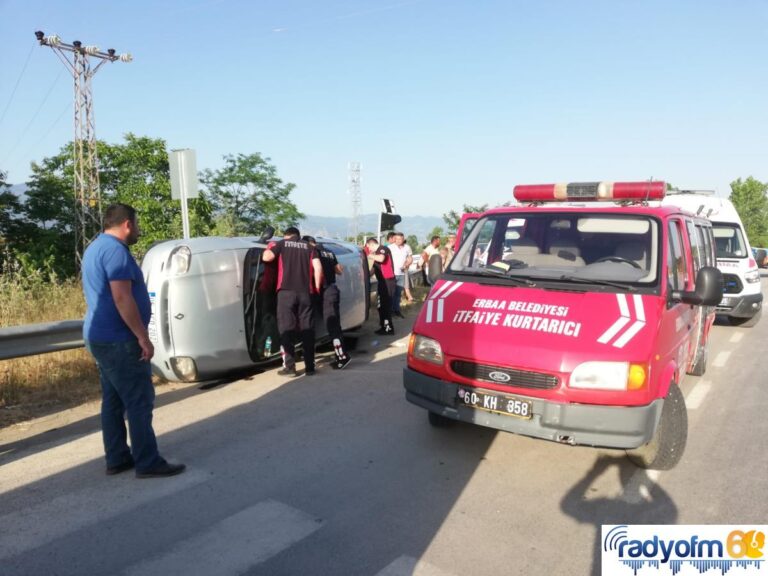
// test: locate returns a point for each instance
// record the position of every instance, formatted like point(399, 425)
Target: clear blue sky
point(444, 102)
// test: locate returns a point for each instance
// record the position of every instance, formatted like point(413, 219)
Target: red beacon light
point(591, 191)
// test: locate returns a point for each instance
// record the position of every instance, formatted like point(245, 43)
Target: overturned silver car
point(214, 304)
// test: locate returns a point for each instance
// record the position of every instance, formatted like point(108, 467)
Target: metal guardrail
point(31, 339)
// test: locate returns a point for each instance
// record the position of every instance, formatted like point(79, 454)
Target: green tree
point(135, 172)
point(413, 242)
point(453, 218)
point(10, 209)
point(749, 199)
point(247, 195)
point(436, 231)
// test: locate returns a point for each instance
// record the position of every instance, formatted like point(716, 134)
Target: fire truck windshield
point(564, 247)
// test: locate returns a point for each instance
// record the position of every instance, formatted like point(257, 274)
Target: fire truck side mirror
point(709, 288)
point(434, 268)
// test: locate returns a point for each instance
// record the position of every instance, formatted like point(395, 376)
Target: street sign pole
point(183, 168)
point(183, 194)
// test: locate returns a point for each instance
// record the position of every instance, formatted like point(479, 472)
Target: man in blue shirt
point(115, 333)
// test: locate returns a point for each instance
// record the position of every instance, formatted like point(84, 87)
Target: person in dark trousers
point(330, 300)
point(115, 333)
point(385, 281)
point(299, 275)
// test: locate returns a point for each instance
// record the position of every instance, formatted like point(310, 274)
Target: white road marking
point(721, 359)
point(638, 489)
point(696, 396)
point(32, 527)
point(409, 566)
point(235, 544)
point(736, 337)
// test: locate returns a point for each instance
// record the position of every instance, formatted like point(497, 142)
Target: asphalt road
point(337, 475)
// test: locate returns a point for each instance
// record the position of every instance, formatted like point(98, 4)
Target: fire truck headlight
point(600, 376)
point(426, 349)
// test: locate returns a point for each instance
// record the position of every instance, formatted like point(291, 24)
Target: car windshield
point(729, 241)
point(607, 248)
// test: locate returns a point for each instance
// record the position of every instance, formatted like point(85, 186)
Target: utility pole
point(77, 58)
point(356, 197)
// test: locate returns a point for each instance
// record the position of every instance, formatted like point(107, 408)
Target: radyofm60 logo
point(691, 549)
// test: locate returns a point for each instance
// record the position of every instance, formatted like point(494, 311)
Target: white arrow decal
point(624, 319)
point(440, 295)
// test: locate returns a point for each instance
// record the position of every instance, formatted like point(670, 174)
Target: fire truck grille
point(731, 284)
point(504, 376)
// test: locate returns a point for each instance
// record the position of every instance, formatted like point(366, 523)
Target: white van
point(742, 299)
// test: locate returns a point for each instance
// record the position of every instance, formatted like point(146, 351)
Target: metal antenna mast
point(86, 162)
point(356, 197)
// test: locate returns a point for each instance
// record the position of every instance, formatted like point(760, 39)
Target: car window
point(729, 241)
point(337, 249)
point(599, 246)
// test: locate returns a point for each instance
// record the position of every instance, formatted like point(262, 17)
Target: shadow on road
point(641, 502)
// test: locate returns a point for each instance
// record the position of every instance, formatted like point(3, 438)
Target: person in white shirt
point(402, 258)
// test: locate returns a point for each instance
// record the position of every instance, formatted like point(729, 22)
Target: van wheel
point(438, 420)
point(747, 322)
point(666, 447)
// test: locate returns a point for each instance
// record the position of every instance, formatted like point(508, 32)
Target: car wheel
point(746, 322)
point(438, 420)
point(666, 447)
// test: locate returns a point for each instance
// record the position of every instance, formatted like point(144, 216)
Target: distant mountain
point(339, 227)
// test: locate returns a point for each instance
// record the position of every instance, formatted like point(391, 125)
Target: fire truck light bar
point(590, 191)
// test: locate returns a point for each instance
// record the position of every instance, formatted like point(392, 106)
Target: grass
point(38, 385)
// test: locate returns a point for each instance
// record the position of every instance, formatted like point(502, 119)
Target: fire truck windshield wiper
point(493, 272)
point(577, 279)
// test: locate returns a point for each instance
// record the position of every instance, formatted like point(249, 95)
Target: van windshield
point(729, 240)
point(603, 247)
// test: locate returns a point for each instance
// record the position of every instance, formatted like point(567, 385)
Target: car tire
point(666, 447)
point(438, 420)
point(746, 322)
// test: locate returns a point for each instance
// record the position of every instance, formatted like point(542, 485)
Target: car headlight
point(178, 262)
point(609, 376)
point(753, 276)
point(184, 367)
point(426, 349)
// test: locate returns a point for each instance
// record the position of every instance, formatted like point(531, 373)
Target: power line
point(13, 148)
point(18, 80)
point(66, 109)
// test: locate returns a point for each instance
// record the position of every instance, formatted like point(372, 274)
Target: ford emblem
point(497, 376)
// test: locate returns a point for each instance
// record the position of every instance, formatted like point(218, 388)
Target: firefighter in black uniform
point(330, 299)
point(384, 270)
point(299, 274)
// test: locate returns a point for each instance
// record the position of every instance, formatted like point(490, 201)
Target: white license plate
point(152, 328)
point(496, 403)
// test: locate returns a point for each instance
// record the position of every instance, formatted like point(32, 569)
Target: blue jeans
point(398, 295)
point(126, 390)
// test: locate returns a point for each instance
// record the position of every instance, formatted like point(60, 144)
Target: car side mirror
point(434, 268)
point(708, 290)
point(268, 233)
point(760, 256)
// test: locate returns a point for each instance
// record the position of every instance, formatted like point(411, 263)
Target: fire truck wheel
point(439, 421)
point(747, 322)
point(666, 447)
